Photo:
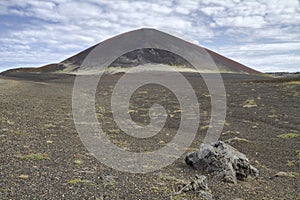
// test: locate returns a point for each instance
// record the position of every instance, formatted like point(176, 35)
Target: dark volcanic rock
point(198, 184)
point(222, 159)
point(149, 55)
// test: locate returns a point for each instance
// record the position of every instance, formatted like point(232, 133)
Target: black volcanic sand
point(42, 156)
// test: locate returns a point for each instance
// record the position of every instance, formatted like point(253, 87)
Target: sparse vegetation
point(205, 127)
point(181, 196)
point(166, 177)
point(77, 181)
point(109, 183)
point(24, 176)
point(18, 133)
point(32, 156)
point(265, 75)
point(53, 135)
point(249, 103)
point(49, 125)
point(298, 154)
point(272, 116)
point(294, 82)
point(291, 163)
point(288, 135)
point(78, 162)
point(237, 139)
point(229, 132)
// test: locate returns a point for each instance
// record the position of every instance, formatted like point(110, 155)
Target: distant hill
point(142, 56)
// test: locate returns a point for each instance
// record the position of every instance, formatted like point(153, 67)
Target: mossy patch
point(291, 163)
point(167, 177)
point(18, 133)
point(49, 125)
point(294, 82)
point(33, 156)
point(24, 176)
point(273, 116)
point(264, 75)
point(288, 135)
point(237, 139)
point(249, 103)
point(109, 183)
point(229, 132)
point(77, 181)
point(180, 196)
point(205, 127)
point(298, 154)
point(78, 162)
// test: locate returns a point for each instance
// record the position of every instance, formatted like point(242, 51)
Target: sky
point(262, 34)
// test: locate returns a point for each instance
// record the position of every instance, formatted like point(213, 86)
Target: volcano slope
point(139, 47)
point(42, 156)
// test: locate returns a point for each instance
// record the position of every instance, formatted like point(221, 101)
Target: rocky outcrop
point(198, 184)
point(149, 55)
point(223, 160)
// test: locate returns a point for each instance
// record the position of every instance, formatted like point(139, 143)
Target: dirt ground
point(42, 156)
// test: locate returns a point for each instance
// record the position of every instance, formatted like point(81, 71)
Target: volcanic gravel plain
point(42, 156)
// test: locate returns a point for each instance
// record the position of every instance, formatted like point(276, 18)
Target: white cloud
point(241, 21)
point(265, 57)
point(212, 11)
point(55, 29)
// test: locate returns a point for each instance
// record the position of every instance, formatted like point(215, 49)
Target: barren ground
point(42, 156)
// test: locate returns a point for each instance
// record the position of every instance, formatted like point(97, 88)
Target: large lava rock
point(222, 159)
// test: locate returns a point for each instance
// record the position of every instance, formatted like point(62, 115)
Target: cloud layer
point(262, 34)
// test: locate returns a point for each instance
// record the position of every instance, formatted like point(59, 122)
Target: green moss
point(229, 132)
point(78, 162)
point(298, 154)
point(109, 183)
point(166, 177)
point(264, 75)
point(272, 116)
point(205, 127)
point(76, 181)
point(288, 135)
point(37, 156)
point(18, 133)
point(155, 189)
point(237, 139)
point(249, 103)
point(294, 82)
point(291, 163)
point(180, 196)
